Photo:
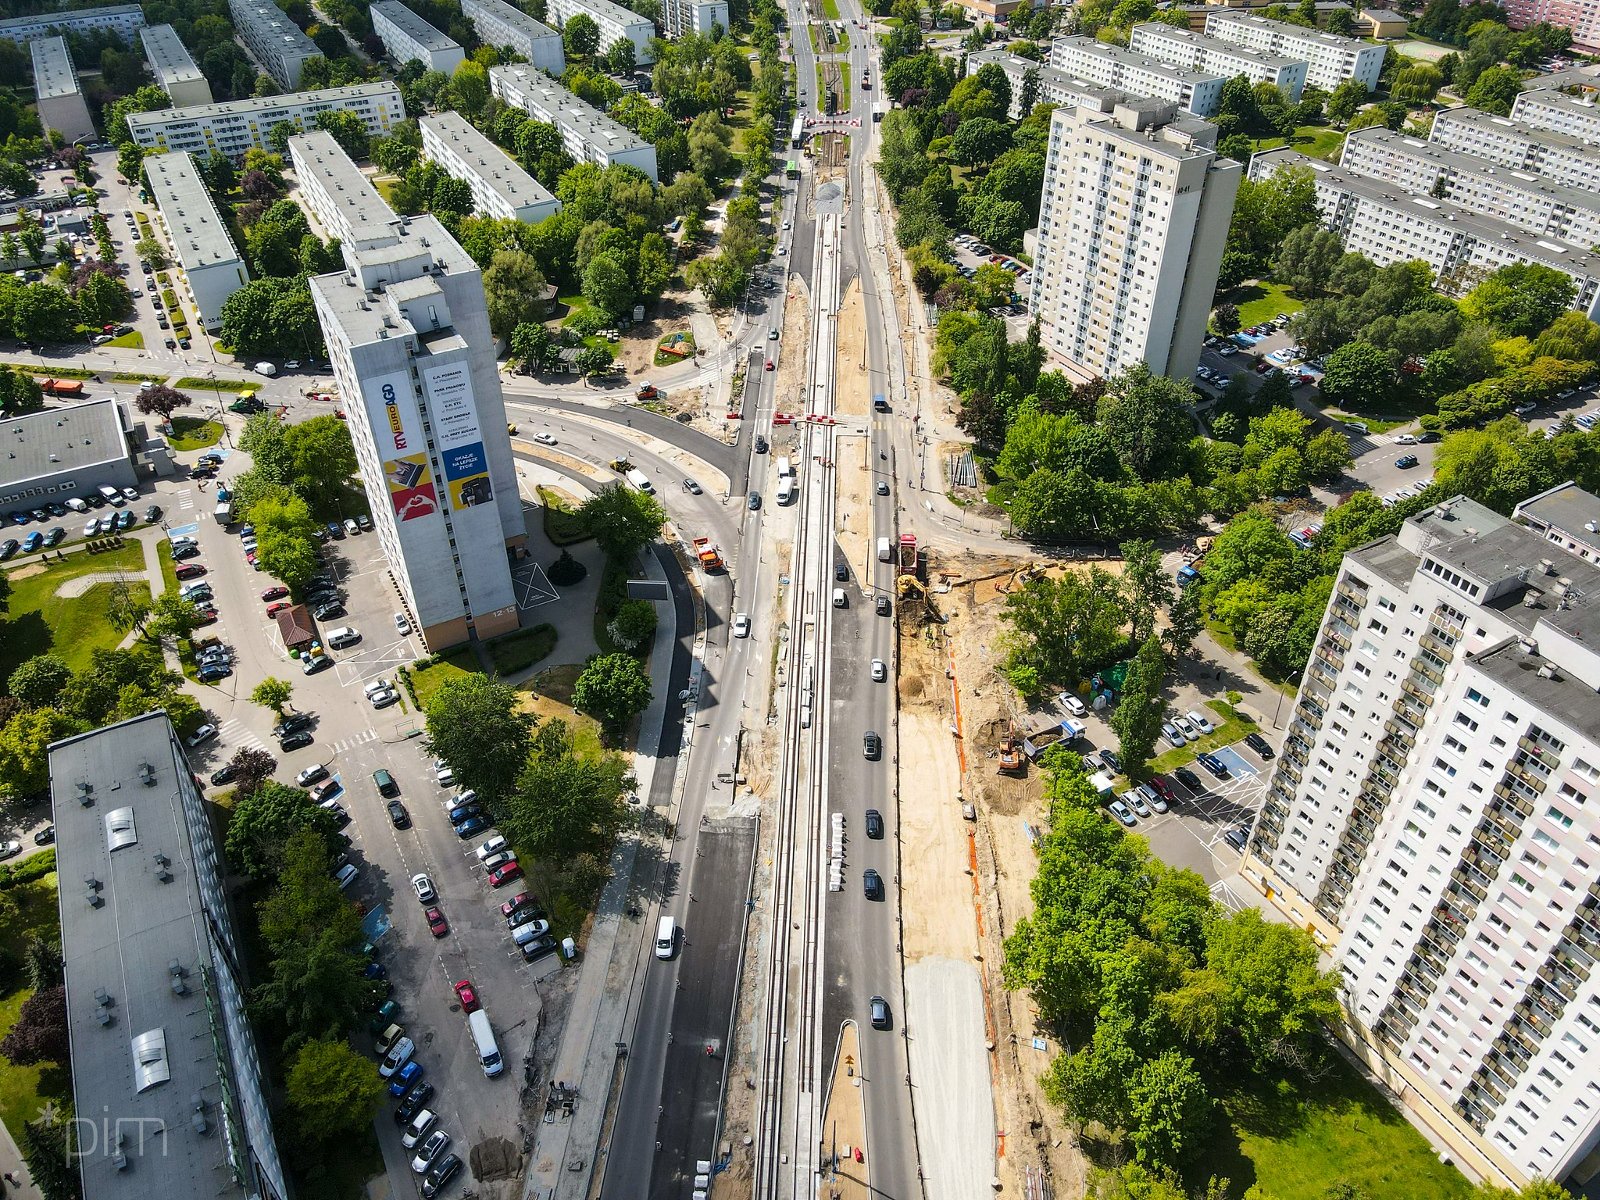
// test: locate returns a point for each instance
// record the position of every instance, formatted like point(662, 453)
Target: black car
point(398, 815)
point(298, 740)
point(94, 499)
point(415, 1101)
point(225, 775)
point(872, 884)
point(45, 836)
point(542, 945)
point(1109, 757)
point(55, 536)
point(871, 744)
point(327, 612)
point(291, 723)
point(881, 605)
point(1189, 779)
point(439, 1175)
point(874, 823)
point(152, 514)
point(202, 472)
point(9, 547)
point(761, 445)
point(841, 571)
point(1259, 744)
point(185, 551)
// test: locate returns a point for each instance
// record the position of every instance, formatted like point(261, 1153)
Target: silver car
point(1170, 732)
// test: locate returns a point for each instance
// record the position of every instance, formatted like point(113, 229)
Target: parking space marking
point(368, 664)
point(350, 743)
point(533, 587)
point(189, 530)
point(1233, 760)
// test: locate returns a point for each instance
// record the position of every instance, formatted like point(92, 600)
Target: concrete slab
point(955, 1115)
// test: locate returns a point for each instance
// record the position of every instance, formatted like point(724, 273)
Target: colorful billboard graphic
point(411, 487)
point(466, 472)
point(457, 435)
point(396, 428)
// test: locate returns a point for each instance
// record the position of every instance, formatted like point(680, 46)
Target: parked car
point(200, 737)
point(466, 994)
point(1260, 745)
point(437, 925)
point(1214, 765)
point(399, 1055)
point(1189, 779)
point(298, 740)
point(311, 774)
point(1199, 721)
point(1120, 811)
point(503, 875)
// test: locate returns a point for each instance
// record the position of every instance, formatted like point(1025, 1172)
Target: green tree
point(1065, 628)
point(480, 728)
point(151, 251)
point(171, 617)
point(1184, 622)
point(251, 768)
point(563, 806)
point(102, 299)
point(623, 520)
point(1358, 375)
point(272, 693)
point(264, 821)
point(24, 749)
point(606, 285)
point(39, 1034)
point(1521, 299)
point(1306, 259)
point(349, 130)
point(1345, 100)
point(1137, 718)
point(470, 87)
point(45, 313)
point(530, 341)
point(39, 681)
point(1225, 319)
point(1149, 587)
point(612, 688)
point(634, 624)
point(1146, 416)
point(1279, 1000)
point(1496, 90)
point(580, 35)
point(333, 1090)
point(1172, 1112)
point(513, 289)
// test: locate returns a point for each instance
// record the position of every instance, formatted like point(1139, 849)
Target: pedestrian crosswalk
point(185, 500)
point(350, 743)
point(239, 736)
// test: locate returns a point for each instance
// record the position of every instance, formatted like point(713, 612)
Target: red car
point(468, 995)
point(501, 876)
point(208, 616)
point(437, 925)
point(190, 571)
point(516, 902)
point(274, 609)
point(1163, 788)
point(275, 593)
point(771, 366)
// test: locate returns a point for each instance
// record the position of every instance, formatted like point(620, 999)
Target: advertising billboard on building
point(397, 430)
point(458, 435)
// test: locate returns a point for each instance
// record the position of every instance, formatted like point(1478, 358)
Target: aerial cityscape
point(823, 600)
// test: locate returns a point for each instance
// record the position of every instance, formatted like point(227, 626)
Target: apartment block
point(173, 67)
point(1332, 59)
point(1580, 16)
point(1051, 85)
point(616, 24)
point(501, 24)
point(274, 41)
point(1545, 108)
point(586, 132)
point(1132, 222)
point(500, 188)
point(231, 127)
point(1365, 22)
point(210, 265)
point(409, 344)
point(55, 84)
point(1105, 66)
point(124, 20)
point(163, 1050)
point(407, 38)
point(694, 16)
point(1201, 52)
point(1559, 157)
point(1389, 224)
point(1428, 820)
point(1519, 198)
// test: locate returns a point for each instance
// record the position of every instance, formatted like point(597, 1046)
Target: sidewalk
point(19, 1183)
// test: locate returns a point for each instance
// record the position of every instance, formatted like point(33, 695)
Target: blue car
point(1213, 764)
point(462, 811)
point(471, 826)
point(32, 542)
point(400, 1082)
point(212, 672)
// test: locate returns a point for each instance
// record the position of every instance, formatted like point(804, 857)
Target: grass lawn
point(1314, 141)
point(41, 621)
point(215, 385)
point(519, 651)
point(1228, 729)
point(830, 9)
point(193, 433)
point(131, 341)
point(169, 569)
point(1262, 301)
point(50, 372)
point(137, 377)
point(453, 665)
point(562, 525)
point(1295, 1146)
point(549, 696)
point(575, 305)
point(23, 1090)
point(682, 340)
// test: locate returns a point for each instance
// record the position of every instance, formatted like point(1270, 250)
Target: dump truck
point(647, 392)
point(710, 558)
point(908, 554)
point(62, 387)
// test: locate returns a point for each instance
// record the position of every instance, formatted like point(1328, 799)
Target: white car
point(420, 1125)
point(1186, 727)
point(1199, 722)
point(880, 672)
point(1404, 439)
point(741, 625)
point(423, 886)
point(1072, 704)
point(1173, 736)
point(544, 439)
point(443, 773)
point(401, 624)
point(494, 845)
point(374, 686)
point(384, 698)
point(130, 493)
point(495, 861)
point(427, 1153)
point(399, 1055)
point(200, 736)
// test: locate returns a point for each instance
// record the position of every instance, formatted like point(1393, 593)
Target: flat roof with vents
point(169, 59)
point(199, 236)
point(52, 68)
point(55, 441)
point(487, 162)
point(413, 26)
point(155, 1010)
point(265, 110)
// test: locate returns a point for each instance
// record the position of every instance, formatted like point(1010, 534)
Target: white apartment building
point(274, 41)
point(62, 106)
point(1332, 59)
point(1559, 157)
point(173, 67)
point(1201, 52)
point(1132, 222)
point(1051, 85)
point(124, 20)
point(1577, 116)
point(234, 126)
point(616, 24)
point(333, 190)
point(501, 24)
point(500, 188)
point(410, 348)
point(1520, 198)
point(1428, 820)
point(586, 132)
point(694, 16)
point(1389, 224)
point(1106, 66)
point(209, 262)
point(406, 37)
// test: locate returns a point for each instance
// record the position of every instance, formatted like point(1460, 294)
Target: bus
point(798, 132)
point(791, 169)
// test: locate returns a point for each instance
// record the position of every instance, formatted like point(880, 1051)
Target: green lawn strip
point(1228, 729)
point(194, 433)
point(129, 341)
point(51, 372)
point(816, 40)
point(1373, 424)
point(453, 664)
point(193, 382)
point(575, 305)
point(1261, 301)
point(562, 524)
point(844, 42)
point(1295, 1145)
point(169, 569)
point(43, 622)
point(613, 591)
point(138, 377)
point(24, 1090)
point(519, 651)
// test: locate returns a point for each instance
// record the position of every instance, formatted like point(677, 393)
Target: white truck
point(639, 479)
point(488, 1048)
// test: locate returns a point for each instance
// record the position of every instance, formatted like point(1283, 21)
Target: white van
point(639, 480)
point(344, 636)
point(838, 598)
point(266, 368)
point(883, 549)
point(111, 494)
point(666, 937)
point(346, 876)
point(785, 467)
point(488, 1048)
point(785, 490)
point(76, 505)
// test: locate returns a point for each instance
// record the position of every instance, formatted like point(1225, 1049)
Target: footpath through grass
point(42, 622)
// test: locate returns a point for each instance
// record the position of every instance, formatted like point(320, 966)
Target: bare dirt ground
point(954, 705)
point(852, 494)
point(845, 1119)
point(791, 381)
point(851, 387)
